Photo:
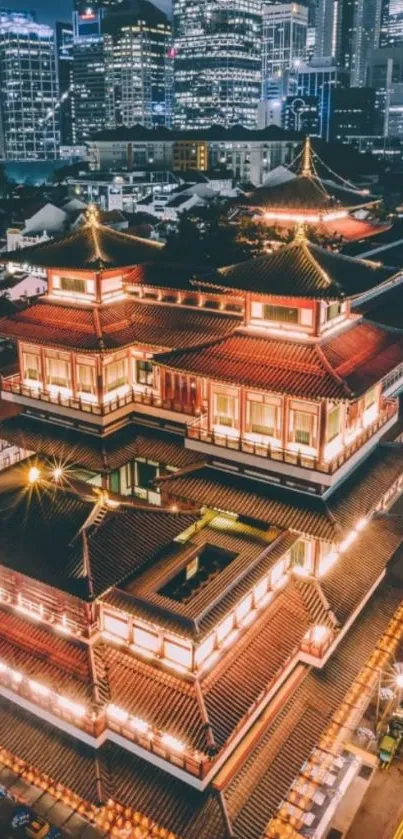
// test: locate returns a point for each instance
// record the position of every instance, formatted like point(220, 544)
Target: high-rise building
point(283, 44)
point(138, 59)
point(347, 31)
point(385, 75)
point(353, 112)
point(321, 78)
point(218, 68)
point(391, 23)
point(88, 73)
point(28, 89)
point(64, 59)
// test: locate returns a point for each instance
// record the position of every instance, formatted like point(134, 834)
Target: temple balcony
point(88, 408)
point(251, 450)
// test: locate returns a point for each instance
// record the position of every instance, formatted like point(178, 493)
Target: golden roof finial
point(92, 215)
point(299, 235)
point(306, 159)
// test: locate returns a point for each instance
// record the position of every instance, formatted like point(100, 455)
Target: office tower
point(348, 30)
point(385, 75)
point(217, 62)
point(88, 74)
point(138, 59)
point(28, 89)
point(283, 44)
point(353, 112)
point(64, 61)
point(321, 78)
point(391, 23)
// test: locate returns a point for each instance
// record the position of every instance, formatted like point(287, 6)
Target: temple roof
point(340, 367)
point(114, 325)
point(329, 519)
point(249, 789)
point(307, 193)
point(87, 530)
point(64, 445)
point(92, 247)
point(385, 309)
point(302, 269)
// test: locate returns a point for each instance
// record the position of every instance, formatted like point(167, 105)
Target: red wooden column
point(322, 418)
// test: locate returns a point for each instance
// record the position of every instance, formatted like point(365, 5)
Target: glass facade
point(29, 89)
point(283, 45)
point(138, 67)
point(217, 45)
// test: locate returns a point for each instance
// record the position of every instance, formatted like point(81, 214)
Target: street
point(381, 810)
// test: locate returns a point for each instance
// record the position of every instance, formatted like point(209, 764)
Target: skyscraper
point(28, 89)
point(217, 62)
point(88, 73)
point(391, 23)
point(347, 30)
point(64, 59)
point(138, 65)
point(321, 78)
point(283, 43)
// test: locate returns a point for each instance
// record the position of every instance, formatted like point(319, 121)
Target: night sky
point(48, 11)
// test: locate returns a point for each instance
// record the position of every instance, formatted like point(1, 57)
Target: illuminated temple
point(196, 591)
point(333, 206)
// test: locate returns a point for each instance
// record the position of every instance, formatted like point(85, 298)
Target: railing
point(197, 430)
point(133, 396)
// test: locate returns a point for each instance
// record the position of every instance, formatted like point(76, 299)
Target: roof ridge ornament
point(306, 169)
point(92, 215)
point(300, 233)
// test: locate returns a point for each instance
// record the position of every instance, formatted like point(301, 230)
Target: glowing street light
point(34, 474)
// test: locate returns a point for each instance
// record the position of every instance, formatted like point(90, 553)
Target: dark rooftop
point(216, 132)
point(302, 269)
point(91, 247)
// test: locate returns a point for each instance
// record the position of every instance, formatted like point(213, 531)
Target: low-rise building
point(248, 154)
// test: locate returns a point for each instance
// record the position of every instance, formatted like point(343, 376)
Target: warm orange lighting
point(34, 474)
point(172, 743)
point(58, 473)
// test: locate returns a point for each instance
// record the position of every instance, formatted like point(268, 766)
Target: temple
point(197, 565)
point(335, 207)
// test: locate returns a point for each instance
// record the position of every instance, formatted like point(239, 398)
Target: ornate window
point(224, 413)
point(280, 314)
point(263, 418)
point(144, 372)
point(58, 372)
point(116, 375)
point(31, 366)
point(333, 423)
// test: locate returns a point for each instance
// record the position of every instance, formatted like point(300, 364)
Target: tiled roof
point(302, 269)
point(89, 248)
point(115, 325)
point(306, 193)
point(356, 497)
point(34, 519)
point(236, 683)
point(340, 367)
point(99, 454)
point(385, 309)
point(255, 787)
point(356, 572)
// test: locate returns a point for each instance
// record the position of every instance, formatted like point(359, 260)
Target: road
point(381, 810)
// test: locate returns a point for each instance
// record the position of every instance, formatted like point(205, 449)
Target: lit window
point(297, 554)
point(31, 367)
point(224, 409)
point(145, 639)
point(116, 627)
point(144, 372)
point(58, 372)
point(86, 378)
point(263, 418)
point(73, 285)
point(370, 398)
point(333, 423)
point(116, 374)
point(178, 654)
point(333, 311)
point(303, 428)
point(280, 314)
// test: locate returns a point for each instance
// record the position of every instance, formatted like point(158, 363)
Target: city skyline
point(48, 12)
